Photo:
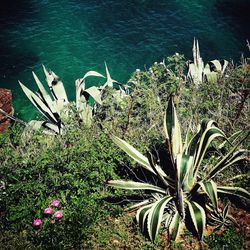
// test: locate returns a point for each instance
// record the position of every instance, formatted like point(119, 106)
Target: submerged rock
point(6, 106)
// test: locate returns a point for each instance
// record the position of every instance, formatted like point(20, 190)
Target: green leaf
point(236, 191)
point(198, 217)
point(227, 161)
point(142, 214)
point(206, 138)
point(184, 166)
point(139, 204)
point(135, 186)
point(172, 129)
point(132, 152)
point(175, 226)
point(159, 172)
point(155, 216)
point(210, 188)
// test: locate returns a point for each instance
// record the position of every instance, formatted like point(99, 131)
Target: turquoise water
point(72, 37)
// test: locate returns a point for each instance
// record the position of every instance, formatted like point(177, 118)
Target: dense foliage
point(75, 166)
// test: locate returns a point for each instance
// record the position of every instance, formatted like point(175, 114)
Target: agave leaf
point(35, 125)
point(187, 137)
point(132, 185)
point(79, 85)
point(36, 101)
point(236, 157)
point(139, 204)
point(95, 93)
point(172, 129)
point(56, 86)
point(228, 160)
point(53, 127)
point(232, 139)
point(46, 98)
point(211, 76)
point(198, 217)
point(184, 164)
point(193, 145)
point(175, 226)
point(167, 217)
point(110, 81)
point(226, 210)
point(50, 128)
point(133, 153)
point(235, 191)
point(218, 66)
point(224, 64)
point(92, 73)
point(155, 216)
point(159, 172)
point(86, 113)
point(210, 188)
point(195, 70)
point(142, 214)
point(206, 138)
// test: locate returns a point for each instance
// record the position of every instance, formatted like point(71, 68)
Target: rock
point(5, 105)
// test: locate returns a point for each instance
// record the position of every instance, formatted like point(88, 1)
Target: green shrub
point(73, 168)
point(229, 239)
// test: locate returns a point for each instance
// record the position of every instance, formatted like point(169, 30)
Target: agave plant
point(198, 73)
point(220, 219)
point(181, 195)
point(54, 105)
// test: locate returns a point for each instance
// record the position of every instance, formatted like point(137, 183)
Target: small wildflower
point(58, 214)
point(55, 203)
point(48, 210)
point(37, 223)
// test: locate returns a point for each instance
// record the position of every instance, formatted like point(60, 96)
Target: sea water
point(72, 36)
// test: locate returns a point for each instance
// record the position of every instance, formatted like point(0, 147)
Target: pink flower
point(58, 215)
point(55, 203)
point(37, 223)
point(48, 210)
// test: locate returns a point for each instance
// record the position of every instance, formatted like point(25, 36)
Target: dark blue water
point(72, 37)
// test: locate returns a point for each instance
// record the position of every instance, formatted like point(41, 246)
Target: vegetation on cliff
point(75, 166)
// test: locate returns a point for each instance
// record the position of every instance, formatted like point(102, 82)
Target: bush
point(229, 239)
point(72, 168)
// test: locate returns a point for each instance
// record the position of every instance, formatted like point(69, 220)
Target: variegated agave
point(181, 194)
point(54, 105)
point(198, 73)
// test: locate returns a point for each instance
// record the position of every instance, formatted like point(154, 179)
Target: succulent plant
point(182, 193)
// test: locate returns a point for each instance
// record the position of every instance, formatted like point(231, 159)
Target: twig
point(12, 117)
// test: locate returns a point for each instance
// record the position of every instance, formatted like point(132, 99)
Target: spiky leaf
point(210, 188)
point(175, 226)
point(172, 129)
point(235, 191)
point(155, 216)
point(198, 217)
point(132, 152)
point(37, 102)
point(135, 186)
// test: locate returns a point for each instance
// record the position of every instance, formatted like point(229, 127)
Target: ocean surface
point(72, 36)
